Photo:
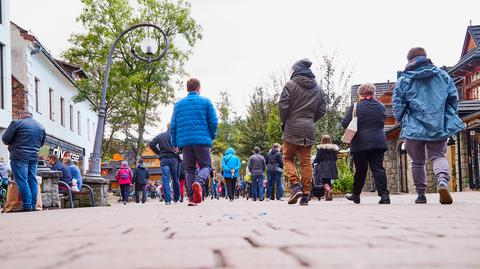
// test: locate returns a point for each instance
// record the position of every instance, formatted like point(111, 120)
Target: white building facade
point(5, 73)
point(46, 87)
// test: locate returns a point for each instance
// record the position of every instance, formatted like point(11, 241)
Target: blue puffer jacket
point(425, 102)
point(194, 122)
point(24, 139)
point(230, 161)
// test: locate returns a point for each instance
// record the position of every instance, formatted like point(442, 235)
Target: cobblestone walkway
point(247, 234)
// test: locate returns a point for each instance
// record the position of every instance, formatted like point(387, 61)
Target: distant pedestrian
point(274, 173)
point(369, 144)
point(24, 138)
point(214, 184)
point(169, 162)
point(257, 166)
point(75, 171)
point(57, 165)
point(301, 105)
point(193, 128)
point(124, 177)
point(425, 102)
point(5, 172)
point(140, 179)
point(231, 167)
point(326, 164)
point(182, 179)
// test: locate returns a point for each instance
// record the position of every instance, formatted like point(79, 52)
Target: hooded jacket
point(24, 138)
point(124, 175)
point(301, 105)
point(274, 160)
point(140, 176)
point(326, 161)
point(230, 162)
point(425, 102)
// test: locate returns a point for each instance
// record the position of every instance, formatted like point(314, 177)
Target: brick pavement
point(247, 234)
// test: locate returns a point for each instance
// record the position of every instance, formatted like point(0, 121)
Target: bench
point(70, 194)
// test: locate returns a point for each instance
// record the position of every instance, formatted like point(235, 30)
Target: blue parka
point(194, 122)
point(230, 161)
point(425, 102)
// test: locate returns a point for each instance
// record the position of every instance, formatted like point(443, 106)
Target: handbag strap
point(354, 113)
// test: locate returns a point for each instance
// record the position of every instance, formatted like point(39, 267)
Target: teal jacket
point(230, 162)
point(425, 102)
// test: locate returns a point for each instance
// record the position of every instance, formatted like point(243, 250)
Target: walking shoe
point(168, 203)
point(353, 197)
point(421, 199)
point(124, 203)
point(328, 192)
point(384, 199)
point(296, 194)
point(445, 197)
point(197, 192)
point(191, 203)
point(181, 200)
point(304, 199)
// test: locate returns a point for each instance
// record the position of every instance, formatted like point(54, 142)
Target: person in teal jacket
point(231, 167)
point(425, 102)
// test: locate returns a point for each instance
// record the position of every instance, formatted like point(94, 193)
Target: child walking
point(326, 161)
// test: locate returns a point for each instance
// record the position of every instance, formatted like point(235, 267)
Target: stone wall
point(19, 97)
point(49, 188)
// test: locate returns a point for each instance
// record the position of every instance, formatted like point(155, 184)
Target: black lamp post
point(149, 46)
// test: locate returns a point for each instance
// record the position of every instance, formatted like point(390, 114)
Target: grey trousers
point(436, 151)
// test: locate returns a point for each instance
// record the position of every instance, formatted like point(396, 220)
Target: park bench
point(70, 195)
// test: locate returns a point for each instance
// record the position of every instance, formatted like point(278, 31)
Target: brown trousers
point(289, 152)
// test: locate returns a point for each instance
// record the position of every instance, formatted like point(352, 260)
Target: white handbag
point(352, 127)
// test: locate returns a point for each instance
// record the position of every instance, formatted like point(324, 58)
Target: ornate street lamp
point(149, 47)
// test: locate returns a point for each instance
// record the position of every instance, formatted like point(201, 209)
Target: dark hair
point(256, 150)
point(193, 84)
point(53, 157)
point(415, 52)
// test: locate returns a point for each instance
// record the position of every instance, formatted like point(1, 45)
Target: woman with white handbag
point(364, 124)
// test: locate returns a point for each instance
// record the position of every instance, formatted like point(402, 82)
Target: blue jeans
point(193, 155)
point(214, 185)
point(169, 168)
point(257, 187)
point(274, 178)
point(24, 173)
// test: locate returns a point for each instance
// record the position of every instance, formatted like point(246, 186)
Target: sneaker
point(191, 203)
point(384, 199)
point(304, 199)
point(421, 199)
point(353, 197)
point(124, 203)
point(168, 203)
point(197, 192)
point(296, 194)
point(445, 197)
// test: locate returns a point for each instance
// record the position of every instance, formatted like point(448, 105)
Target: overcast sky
point(245, 41)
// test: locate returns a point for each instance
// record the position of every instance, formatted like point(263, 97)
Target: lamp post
point(148, 46)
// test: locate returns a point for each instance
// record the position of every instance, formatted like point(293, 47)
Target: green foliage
point(136, 88)
point(344, 183)
point(224, 137)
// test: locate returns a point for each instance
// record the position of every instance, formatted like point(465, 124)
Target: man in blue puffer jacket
point(425, 102)
point(193, 128)
point(230, 166)
point(24, 138)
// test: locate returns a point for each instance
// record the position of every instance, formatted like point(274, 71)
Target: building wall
point(6, 109)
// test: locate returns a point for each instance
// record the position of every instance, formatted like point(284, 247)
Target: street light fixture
point(149, 47)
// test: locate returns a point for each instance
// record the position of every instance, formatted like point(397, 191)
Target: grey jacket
point(301, 104)
point(257, 165)
point(162, 146)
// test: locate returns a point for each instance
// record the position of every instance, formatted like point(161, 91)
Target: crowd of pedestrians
point(425, 103)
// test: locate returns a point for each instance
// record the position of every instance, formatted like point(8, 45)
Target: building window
point(71, 118)
point(88, 129)
point(79, 123)
point(474, 93)
point(474, 77)
point(62, 111)
point(50, 102)
point(37, 95)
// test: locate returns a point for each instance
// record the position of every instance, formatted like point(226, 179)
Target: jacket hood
point(305, 82)
point(328, 147)
point(230, 151)
point(421, 72)
point(124, 165)
point(141, 166)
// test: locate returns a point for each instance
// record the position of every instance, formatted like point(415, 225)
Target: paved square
point(247, 234)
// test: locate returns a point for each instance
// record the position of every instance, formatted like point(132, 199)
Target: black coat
point(24, 139)
point(371, 116)
point(274, 160)
point(162, 146)
point(140, 177)
point(326, 161)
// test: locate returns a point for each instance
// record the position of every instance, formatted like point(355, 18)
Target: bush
point(344, 183)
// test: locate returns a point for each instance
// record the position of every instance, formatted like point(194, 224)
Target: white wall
point(40, 67)
point(6, 111)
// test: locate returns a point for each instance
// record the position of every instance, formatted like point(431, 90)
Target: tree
point(136, 88)
point(224, 137)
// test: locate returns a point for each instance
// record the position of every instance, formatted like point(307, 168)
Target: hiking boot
point(445, 197)
point(304, 199)
point(353, 197)
point(421, 199)
point(384, 199)
point(197, 193)
point(296, 194)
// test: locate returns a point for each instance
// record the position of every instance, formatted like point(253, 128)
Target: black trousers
point(140, 189)
point(125, 191)
point(231, 187)
point(374, 159)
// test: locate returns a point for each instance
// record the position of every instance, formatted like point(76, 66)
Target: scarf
point(417, 62)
